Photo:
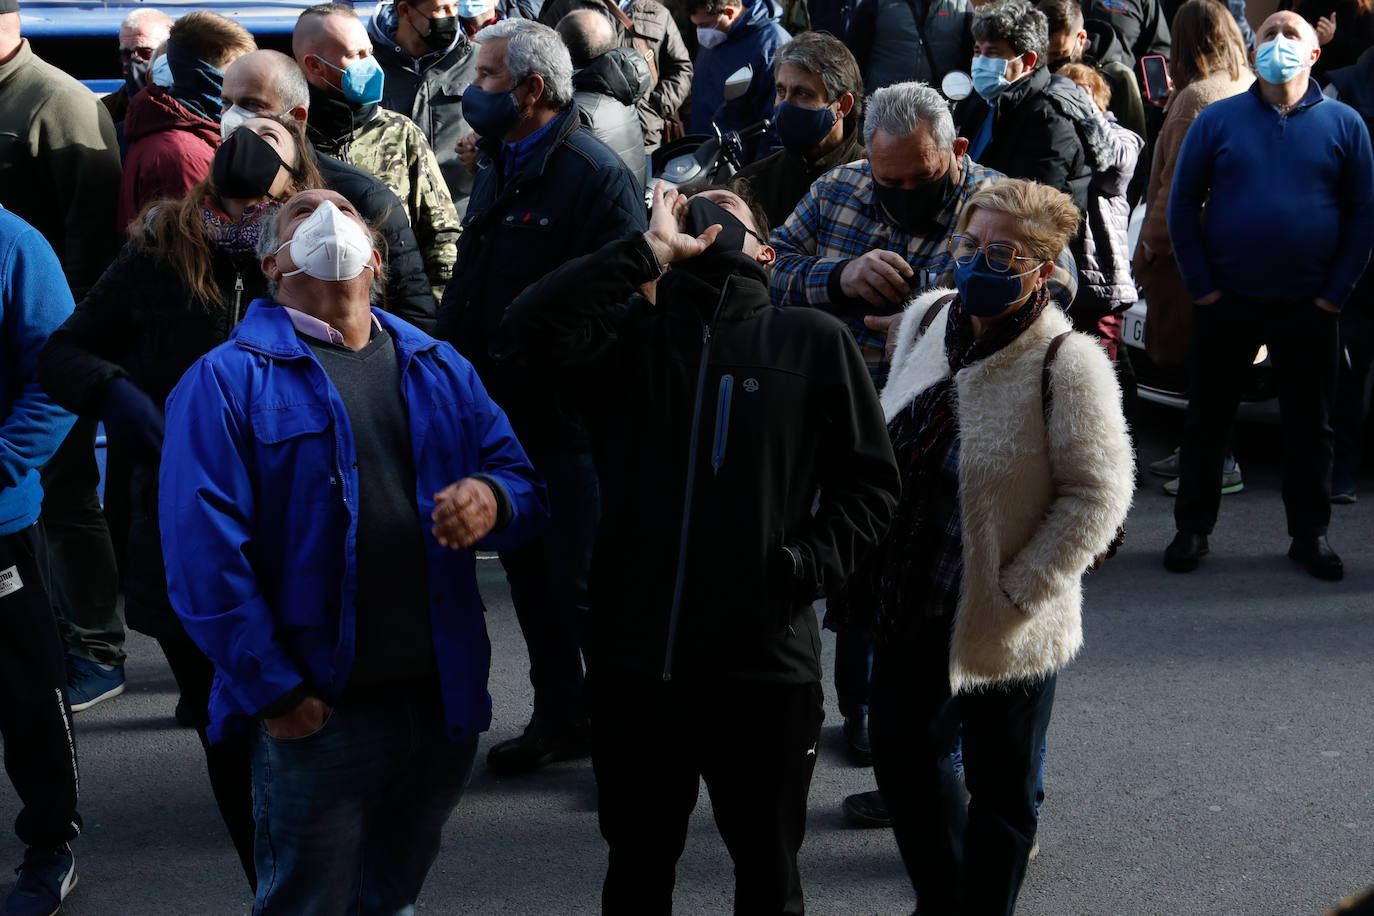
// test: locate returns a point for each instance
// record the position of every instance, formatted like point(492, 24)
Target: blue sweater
point(1289, 209)
point(34, 300)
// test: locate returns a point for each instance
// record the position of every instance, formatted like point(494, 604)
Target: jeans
point(548, 586)
point(349, 817)
point(853, 672)
point(1303, 344)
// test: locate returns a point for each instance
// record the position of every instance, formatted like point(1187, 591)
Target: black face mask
point(136, 72)
point(441, 33)
point(245, 166)
point(726, 255)
point(914, 209)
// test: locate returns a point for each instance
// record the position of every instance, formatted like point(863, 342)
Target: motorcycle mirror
point(737, 83)
point(956, 86)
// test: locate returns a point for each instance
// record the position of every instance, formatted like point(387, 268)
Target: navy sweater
point(1289, 208)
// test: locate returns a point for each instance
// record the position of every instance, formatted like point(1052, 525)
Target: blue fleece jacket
point(34, 300)
point(1288, 211)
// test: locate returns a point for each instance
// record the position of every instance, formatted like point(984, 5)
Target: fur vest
point(1038, 504)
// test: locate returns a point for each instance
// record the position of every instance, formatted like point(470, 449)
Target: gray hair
point(291, 84)
point(1017, 23)
point(897, 110)
point(151, 18)
point(270, 244)
point(827, 57)
point(535, 48)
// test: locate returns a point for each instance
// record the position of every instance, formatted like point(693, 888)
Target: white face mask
point(710, 38)
point(329, 246)
point(231, 119)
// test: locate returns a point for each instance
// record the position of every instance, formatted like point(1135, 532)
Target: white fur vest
point(1037, 504)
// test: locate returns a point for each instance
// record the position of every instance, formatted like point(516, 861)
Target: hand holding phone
point(1154, 72)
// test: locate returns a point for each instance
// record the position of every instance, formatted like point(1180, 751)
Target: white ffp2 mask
point(329, 246)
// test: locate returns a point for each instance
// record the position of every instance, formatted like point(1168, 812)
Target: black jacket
point(571, 196)
point(137, 322)
point(607, 90)
point(1140, 25)
point(1032, 138)
point(408, 294)
point(737, 412)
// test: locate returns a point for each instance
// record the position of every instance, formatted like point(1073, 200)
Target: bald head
point(588, 35)
point(268, 83)
point(328, 35)
point(1289, 23)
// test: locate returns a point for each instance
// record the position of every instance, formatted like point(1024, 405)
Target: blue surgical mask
point(162, 72)
point(985, 292)
point(802, 129)
point(989, 76)
point(475, 9)
point(362, 80)
point(1281, 60)
point(491, 114)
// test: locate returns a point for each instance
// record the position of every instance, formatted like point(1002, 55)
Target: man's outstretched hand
point(665, 236)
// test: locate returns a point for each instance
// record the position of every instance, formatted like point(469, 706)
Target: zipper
point(238, 297)
point(694, 442)
point(727, 387)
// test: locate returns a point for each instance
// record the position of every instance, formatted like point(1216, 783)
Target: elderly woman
point(1006, 500)
point(176, 291)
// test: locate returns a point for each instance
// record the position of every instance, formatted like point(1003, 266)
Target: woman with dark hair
point(177, 289)
point(1345, 30)
point(1208, 63)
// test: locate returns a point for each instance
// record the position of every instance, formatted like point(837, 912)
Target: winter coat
point(1104, 259)
point(715, 405)
point(1031, 138)
point(34, 300)
point(59, 164)
point(943, 41)
point(429, 91)
point(138, 323)
point(654, 24)
point(1140, 25)
point(606, 91)
point(170, 150)
point(259, 515)
point(753, 41)
point(572, 196)
point(779, 182)
point(1168, 332)
point(1039, 498)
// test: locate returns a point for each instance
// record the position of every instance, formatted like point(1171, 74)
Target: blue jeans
point(349, 817)
point(853, 672)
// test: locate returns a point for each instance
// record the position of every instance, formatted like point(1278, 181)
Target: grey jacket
point(429, 91)
point(607, 91)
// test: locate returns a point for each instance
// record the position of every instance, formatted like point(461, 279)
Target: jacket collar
point(267, 329)
point(1310, 98)
point(1031, 85)
point(22, 59)
point(743, 297)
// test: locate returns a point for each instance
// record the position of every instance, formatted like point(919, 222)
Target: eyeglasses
point(126, 54)
point(964, 249)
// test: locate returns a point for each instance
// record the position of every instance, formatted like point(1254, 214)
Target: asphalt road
point(1211, 752)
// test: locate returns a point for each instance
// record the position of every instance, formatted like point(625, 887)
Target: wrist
point(660, 250)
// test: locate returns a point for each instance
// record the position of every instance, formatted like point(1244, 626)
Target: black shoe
point(1185, 551)
point(866, 809)
point(856, 741)
point(1316, 554)
point(539, 745)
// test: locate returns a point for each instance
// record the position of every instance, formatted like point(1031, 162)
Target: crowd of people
point(352, 314)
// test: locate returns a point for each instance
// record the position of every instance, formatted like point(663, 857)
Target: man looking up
point(346, 121)
point(269, 84)
point(1287, 179)
point(326, 475)
point(546, 191)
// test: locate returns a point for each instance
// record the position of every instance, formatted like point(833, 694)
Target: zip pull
point(238, 295)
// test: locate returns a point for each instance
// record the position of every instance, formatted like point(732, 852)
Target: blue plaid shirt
point(840, 219)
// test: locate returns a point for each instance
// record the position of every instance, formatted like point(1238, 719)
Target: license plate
point(1133, 327)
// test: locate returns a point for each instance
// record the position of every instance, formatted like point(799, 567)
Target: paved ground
point(1211, 753)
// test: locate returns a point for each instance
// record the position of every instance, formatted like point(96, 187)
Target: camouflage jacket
point(392, 147)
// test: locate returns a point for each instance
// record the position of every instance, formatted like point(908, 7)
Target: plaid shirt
point(840, 219)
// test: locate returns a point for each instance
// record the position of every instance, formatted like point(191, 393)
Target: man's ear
point(1031, 59)
point(299, 113)
point(536, 84)
point(270, 269)
point(766, 255)
point(846, 105)
point(1082, 39)
point(959, 148)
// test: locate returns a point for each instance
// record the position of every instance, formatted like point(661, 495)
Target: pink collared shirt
point(311, 326)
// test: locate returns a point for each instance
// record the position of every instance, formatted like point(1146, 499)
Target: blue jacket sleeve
point(36, 300)
point(207, 507)
point(1192, 181)
point(1357, 229)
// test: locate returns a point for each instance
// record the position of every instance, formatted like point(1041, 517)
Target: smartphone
point(1155, 75)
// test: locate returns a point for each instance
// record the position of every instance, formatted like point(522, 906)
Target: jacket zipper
point(694, 442)
point(727, 387)
point(238, 297)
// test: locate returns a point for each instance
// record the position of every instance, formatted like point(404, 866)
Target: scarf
point(236, 238)
point(195, 84)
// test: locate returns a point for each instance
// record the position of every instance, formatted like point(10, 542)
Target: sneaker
point(89, 683)
point(45, 879)
point(1166, 467)
point(1231, 481)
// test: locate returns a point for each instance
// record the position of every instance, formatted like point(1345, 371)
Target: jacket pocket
point(274, 425)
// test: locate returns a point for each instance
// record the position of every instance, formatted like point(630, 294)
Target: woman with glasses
point(1006, 500)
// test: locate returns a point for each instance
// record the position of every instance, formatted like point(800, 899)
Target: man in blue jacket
point(1287, 179)
point(35, 720)
point(732, 34)
point(326, 474)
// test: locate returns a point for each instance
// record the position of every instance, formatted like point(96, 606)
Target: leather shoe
point(866, 809)
point(1316, 554)
point(856, 741)
point(539, 745)
point(1185, 552)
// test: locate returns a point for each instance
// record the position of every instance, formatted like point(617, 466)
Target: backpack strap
point(929, 317)
point(1046, 392)
point(641, 44)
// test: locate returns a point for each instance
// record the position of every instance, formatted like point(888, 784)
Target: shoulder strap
point(929, 317)
point(1046, 392)
point(641, 45)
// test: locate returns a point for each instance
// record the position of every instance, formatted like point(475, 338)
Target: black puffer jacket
point(715, 404)
point(607, 90)
point(138, 322)
point(1032, 138)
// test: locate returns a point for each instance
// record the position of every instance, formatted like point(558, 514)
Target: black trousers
point(35, 720)
point(653, 743)
point(1304, 346)
point(961, 860)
